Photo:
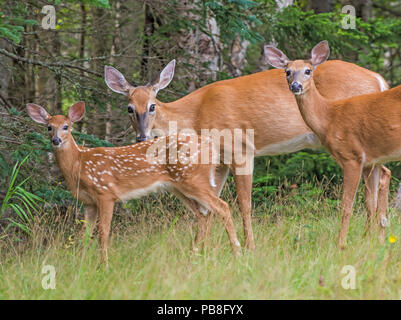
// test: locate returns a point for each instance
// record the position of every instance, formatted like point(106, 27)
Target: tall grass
point(150, 257)
point(22, 202)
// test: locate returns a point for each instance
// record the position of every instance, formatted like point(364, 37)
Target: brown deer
point(99, 177)
point(361, 133)
point(261, 102)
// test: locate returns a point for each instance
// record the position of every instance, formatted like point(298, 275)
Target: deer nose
point(130, 109)
point(296, 87)
point(56, 141)
point(140, 138)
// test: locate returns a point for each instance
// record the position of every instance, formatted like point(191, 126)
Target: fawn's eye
point(152, 108)
point(288, 73)
point(49, 128)
point(65, 127)
point(307, 72)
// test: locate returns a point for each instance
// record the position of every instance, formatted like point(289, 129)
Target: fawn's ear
point(275, 57)
point(164, 78)
point(37, 113)
point(320, 53)
point(116, 81)
point(76, 111)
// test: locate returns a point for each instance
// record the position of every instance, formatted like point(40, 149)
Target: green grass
point(150, 257)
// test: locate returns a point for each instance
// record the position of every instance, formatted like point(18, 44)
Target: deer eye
point(288, 73)
point(152, 108)
point(307, 72)
point(65, 127)
point(49, 128)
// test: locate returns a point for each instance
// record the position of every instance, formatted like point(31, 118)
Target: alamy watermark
point(49, 280)
point(213, 146)
point(349, 21)
point(348, 282)
point(49, 20)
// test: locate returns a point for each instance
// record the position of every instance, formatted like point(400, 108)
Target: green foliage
point(296, 168)
point(12, 22)
point(89, 140)
point(306, 166)
point(296, 31)
point(95, 3)
point(21, 201)
point(236, 17)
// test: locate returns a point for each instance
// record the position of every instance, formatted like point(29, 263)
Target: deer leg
point(352, 174)
point(220, 179)
point(384, 185)
point(206, 198)
point(243, 184)
point(203, 230)
point(90, 218)
point(202, 219)
point(371, 177)
point(106, 207)
point(223, 210)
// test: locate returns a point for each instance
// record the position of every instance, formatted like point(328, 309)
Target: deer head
point(298, 72)
point(142, 103)
point(59, 126)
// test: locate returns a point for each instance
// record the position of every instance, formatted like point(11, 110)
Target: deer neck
point(314, 109)
point(68, 159)
point(170, 113)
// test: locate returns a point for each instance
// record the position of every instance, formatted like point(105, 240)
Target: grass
point(150, 257)
point(21, 201)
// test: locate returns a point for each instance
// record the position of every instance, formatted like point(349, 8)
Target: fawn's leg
point(371, 176)
point(202, 219)
point(203, 230)
point(223, 210)
point(90, 218)
point(384, 185)
point(220, 179)
point(352, 174)
point(199, 189)
point(106, 207)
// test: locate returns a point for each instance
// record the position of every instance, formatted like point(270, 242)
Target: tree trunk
point(58, 104)
point(202, 50)
point(321, 6)
point(101, 43)
point(5, 62)
point(149, 29)
point(363, 8)
point(237, 55)
point(82, 48)
point(36, 77)
point(114, 47)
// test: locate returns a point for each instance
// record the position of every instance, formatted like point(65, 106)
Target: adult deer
point(99, 177)
point(360, 133)
point(260, 101)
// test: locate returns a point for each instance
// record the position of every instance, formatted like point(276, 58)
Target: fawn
point(361, 133)
point(99, 177)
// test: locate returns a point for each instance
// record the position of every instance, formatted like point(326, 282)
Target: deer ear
point(116, 81)
point(275, 57)
point(164, 78)
point(76, 111)
point(38, 113)
point(320, 53)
